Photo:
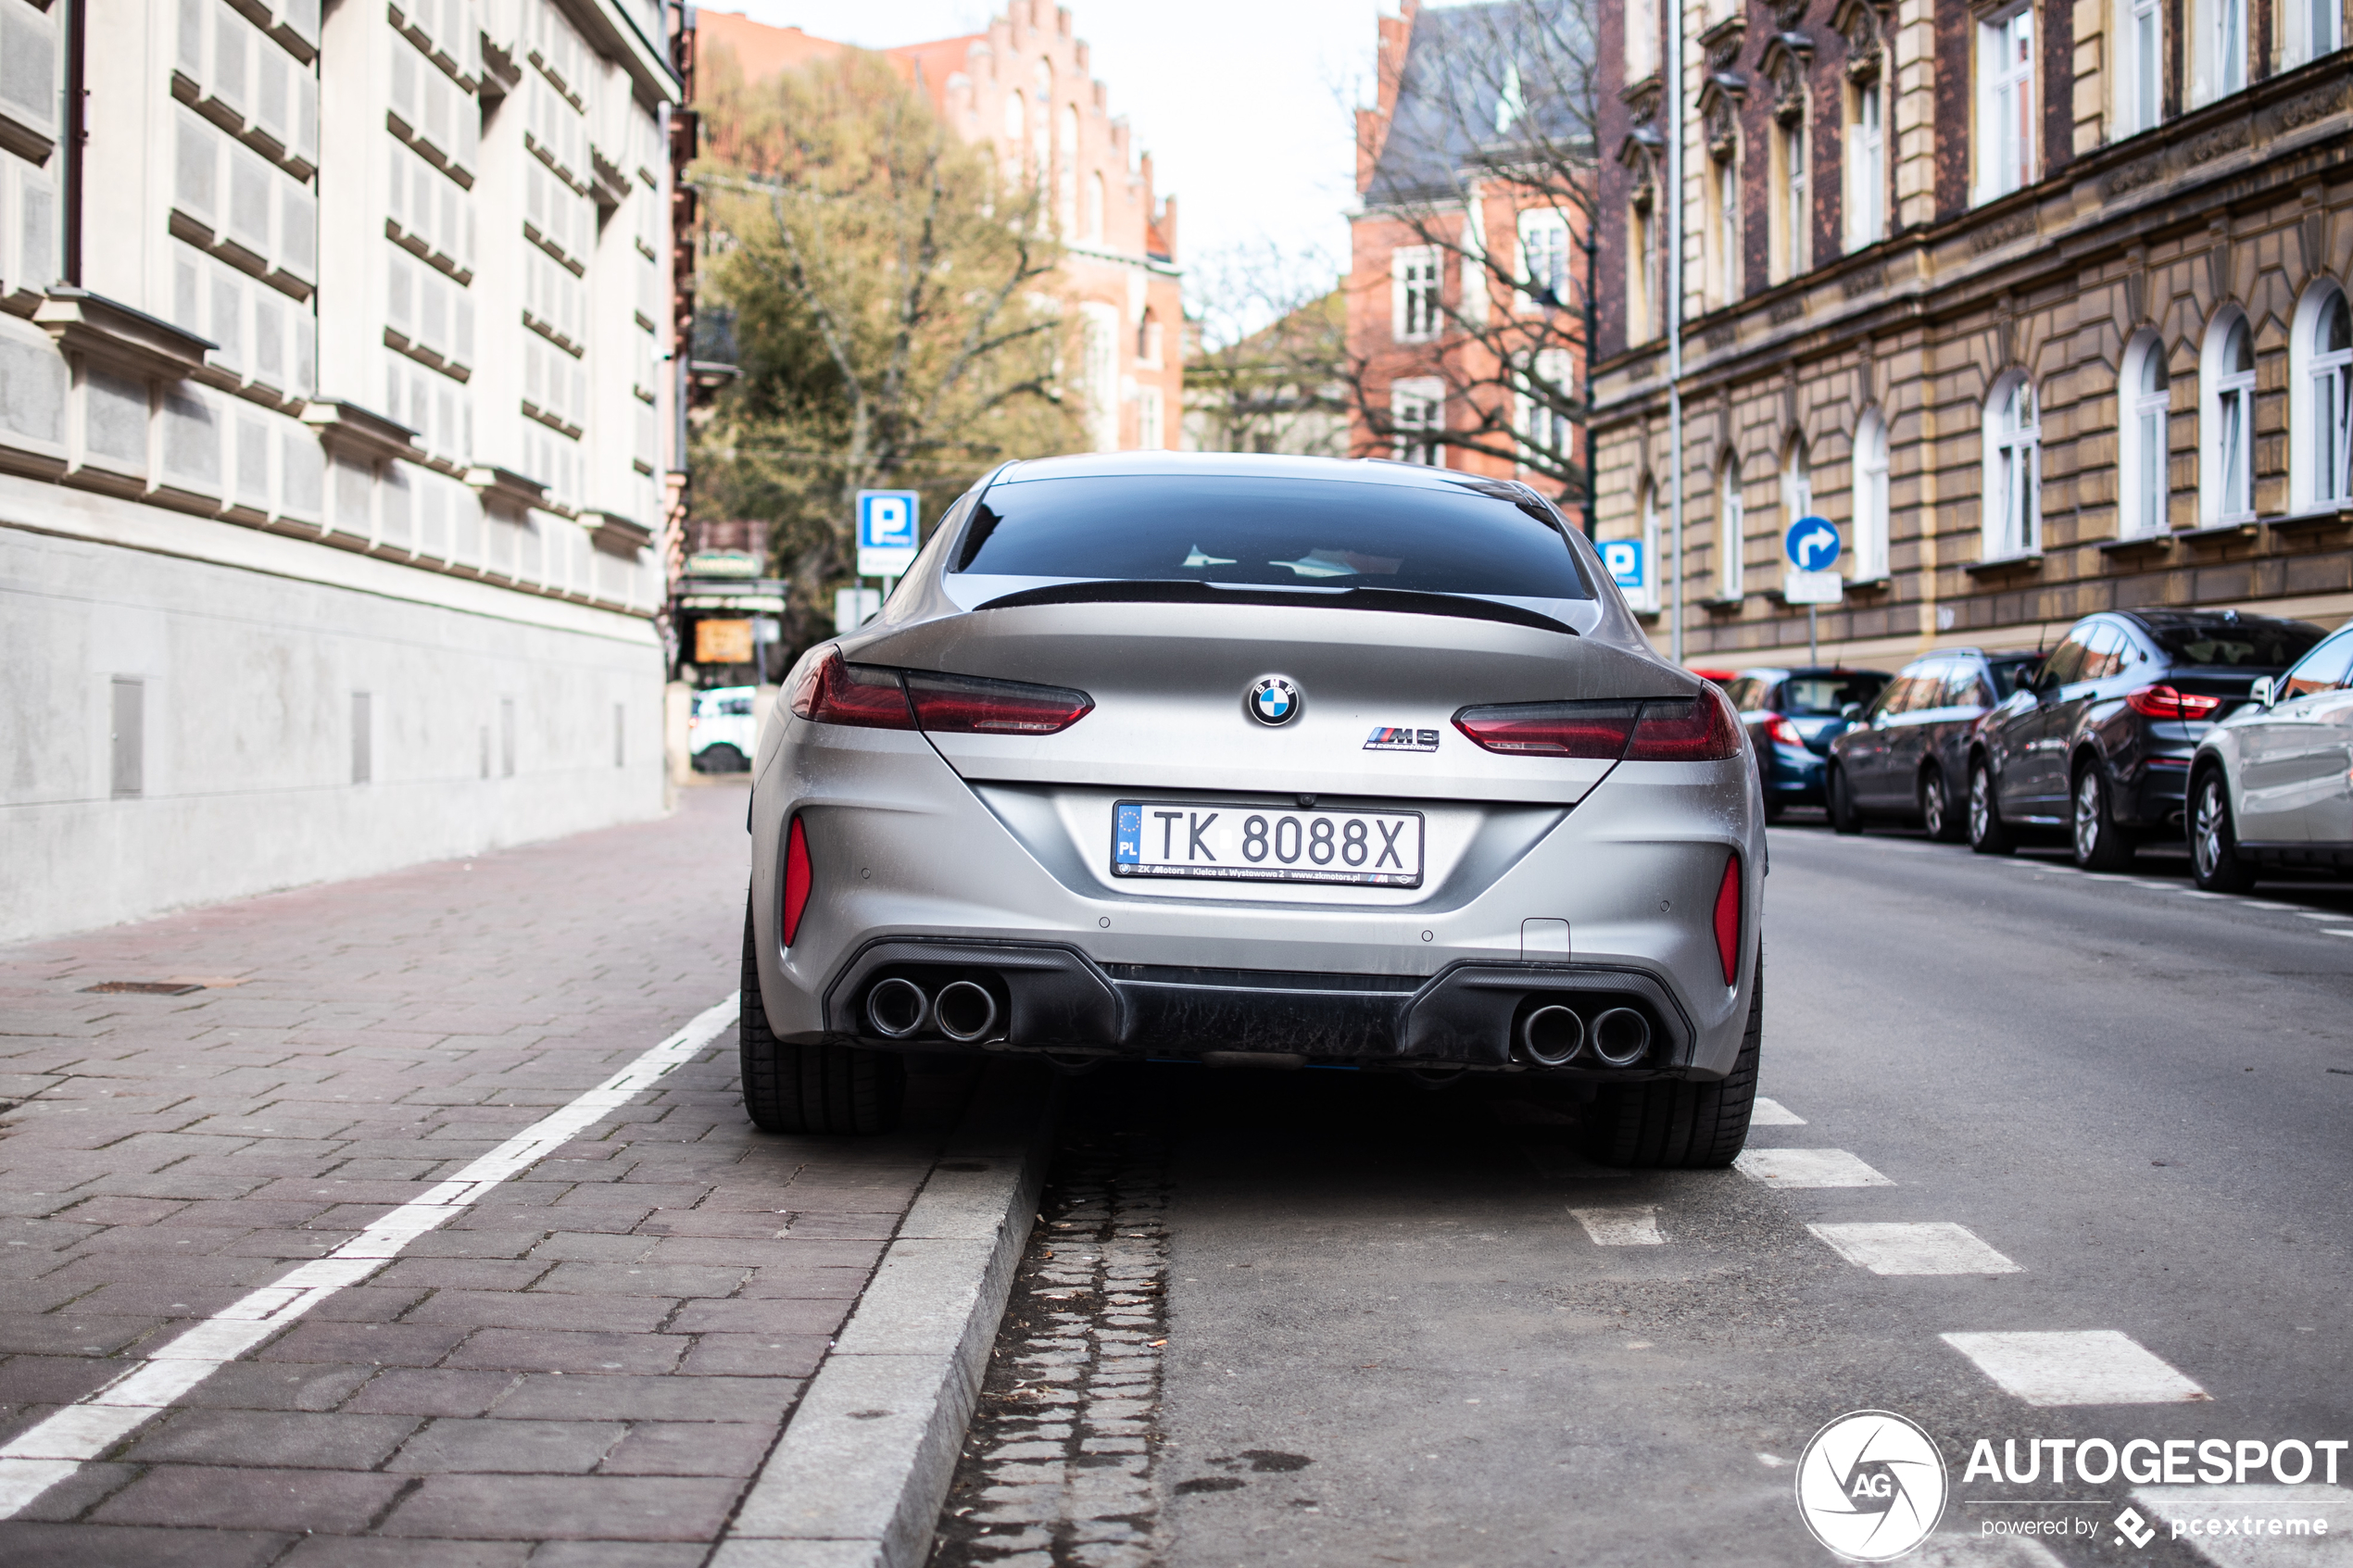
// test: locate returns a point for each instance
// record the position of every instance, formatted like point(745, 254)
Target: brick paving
point(582, 1369)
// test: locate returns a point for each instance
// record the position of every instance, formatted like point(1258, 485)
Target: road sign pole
point(1813, 654)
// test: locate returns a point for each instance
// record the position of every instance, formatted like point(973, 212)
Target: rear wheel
point(1937, 815)
point(2100, 845)
point(721, 759)
point(1987, 836)
point(798, 1088)
point(1844, 818)
point(1679, 1126)
point(2214, 844)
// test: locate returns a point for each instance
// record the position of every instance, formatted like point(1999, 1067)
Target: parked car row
point(2234, 731)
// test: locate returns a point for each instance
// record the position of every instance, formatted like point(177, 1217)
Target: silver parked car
point(1259, 759)
point(2271, 785)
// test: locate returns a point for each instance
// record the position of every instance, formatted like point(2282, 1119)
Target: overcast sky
point(1243, 104)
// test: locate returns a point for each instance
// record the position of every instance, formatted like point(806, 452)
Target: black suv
point(2099, 741)
point(1907, 756)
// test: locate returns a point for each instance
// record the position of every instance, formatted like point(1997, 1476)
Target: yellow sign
point(722, 642)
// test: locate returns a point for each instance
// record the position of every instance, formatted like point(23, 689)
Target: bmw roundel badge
point(1274, 699)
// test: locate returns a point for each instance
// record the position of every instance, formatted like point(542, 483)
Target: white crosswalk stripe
point(1634, 1227)
point(1979, 1551)
point(1933, 1246)
point(1807, 1167)
point(1772, 1114)
point(2097, 1366)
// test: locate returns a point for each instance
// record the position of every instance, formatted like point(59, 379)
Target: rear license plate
point(1185, 838)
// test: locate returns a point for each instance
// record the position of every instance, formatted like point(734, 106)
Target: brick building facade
point(2043, 303)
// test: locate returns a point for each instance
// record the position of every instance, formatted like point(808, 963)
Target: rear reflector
point(797, 879)
point(964, 705)
point(1696, 729)
point(1727, 920)
point(836, 693)
point(2164, 702)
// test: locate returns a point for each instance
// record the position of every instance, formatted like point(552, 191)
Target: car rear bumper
point(2154, 797)
point(1793, 778)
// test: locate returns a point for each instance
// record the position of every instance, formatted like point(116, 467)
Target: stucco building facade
point(2044, 303)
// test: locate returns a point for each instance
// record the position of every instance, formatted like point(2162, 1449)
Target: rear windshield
point(1270, 532)
point(2259, 645)
point(1815, 696)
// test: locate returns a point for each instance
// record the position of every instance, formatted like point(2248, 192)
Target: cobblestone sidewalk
point(584, 1368)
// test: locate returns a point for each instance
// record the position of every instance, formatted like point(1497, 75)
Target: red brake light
point(1703, 729)
point(1780, 731)
point(2164, 702)
point(964, 705)
point(1596, 730)
point(797, 879)
point(1727, 920)
point(836, 693)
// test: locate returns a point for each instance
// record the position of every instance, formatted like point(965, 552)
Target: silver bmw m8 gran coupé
point(1264, 760)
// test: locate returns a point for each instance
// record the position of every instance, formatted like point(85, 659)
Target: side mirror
point(2261, 696)
point(1852, 710)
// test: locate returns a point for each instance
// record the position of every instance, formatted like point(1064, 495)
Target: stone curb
point(864, 1468)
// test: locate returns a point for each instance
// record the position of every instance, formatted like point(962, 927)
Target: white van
point(722, 733)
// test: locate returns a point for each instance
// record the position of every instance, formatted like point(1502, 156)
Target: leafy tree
point(894, 323)
point(1269, 373)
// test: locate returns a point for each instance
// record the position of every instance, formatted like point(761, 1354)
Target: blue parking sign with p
point(1624, 560)
point(889, 532)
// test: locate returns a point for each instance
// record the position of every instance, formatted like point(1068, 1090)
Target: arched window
point(2142, 412)
point(1797, 484)
point(1016, 135)
point(2013, 480)
point(2226, 421)
point(1866, 161)
point(2320, 401)
point(1728, 530)
point(1725, 200)
point(1091, 227)
point(1871, 498)
point(1066, 170)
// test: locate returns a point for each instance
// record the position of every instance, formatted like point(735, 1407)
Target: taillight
point(836, 693)
point(797, 879)
point(964, 705)
point(1727, 920)
point(1780, 731)
point(1693, 729)
point(2164, 702)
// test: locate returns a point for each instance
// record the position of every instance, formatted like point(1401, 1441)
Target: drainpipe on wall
point(76, 132)
point(1672, 197)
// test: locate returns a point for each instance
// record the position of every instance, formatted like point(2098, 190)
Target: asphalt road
point(1391, 1338)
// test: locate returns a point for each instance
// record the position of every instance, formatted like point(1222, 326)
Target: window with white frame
point(1730, 530)
point(2217, 55)
point(1725, 198)
point(2226, 421)
point(1416, 407)
point(2320, 401)
point(2144, 400)
point(1797, 484)
point(1544, 260)
point(1544, 400)
point(1414, 287)
point(1793, 212)
point(2141, 96)
point(1641, 39)
point(2006, 104)
point(1866, 160)
point(2013, 478)
point(1090, 225)
point(1643, 276)
point(2313, 28)
point(1101, 339)
point(1151, 419)
point(1871, 498)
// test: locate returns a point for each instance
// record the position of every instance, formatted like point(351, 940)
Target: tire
point(797, 1088)
point(1668, 1125)
point(2213, 834)
point(1945, 824)
point(721, 759)
point(2099, 843)
point(1844, 818)
point(1987, 833)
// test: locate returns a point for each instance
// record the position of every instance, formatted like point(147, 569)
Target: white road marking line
point(2199, 893)
point(1621, 1227)
point(1807, 1167)
point(2320, 914)
point(1932, 1247)
point(1772, 1114)
point(53, 1450)
point(1979, 1551)
point(2256, 1505)
point(2097, 1366)
point(2336, 931)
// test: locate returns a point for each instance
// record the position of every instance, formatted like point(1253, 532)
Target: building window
point(1866, 159)
point(2143, 410)
point(1418, 406)
point(2226, 374)
point(1544, 260)
point(127, 737)
point(2220, 68)
point(1101, 336)
point(1871, 498)
point(2320, 401)
point(1091, 224)
point(1641, 40)
point(1543, 398)
point(1151, 419)
point(1642, 278)
point(1414, 276)
point(1148, 339)
point(1797, 484)
point(1794, 213)
point(1067, 171)
point(2143, 104)
point(2006, 104)
point(1724, 195)
point(2314, 28)
point(2013, 480)
point(1728, 530)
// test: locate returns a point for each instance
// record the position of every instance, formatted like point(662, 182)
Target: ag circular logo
point(1274, 699)
point(1871, 1485)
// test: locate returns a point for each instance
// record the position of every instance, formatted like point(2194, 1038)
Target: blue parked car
point(1792, 716)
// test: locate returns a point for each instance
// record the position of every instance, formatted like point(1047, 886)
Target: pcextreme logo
point(1871, 1485)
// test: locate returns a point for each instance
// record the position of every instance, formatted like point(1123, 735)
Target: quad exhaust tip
point(1554, 1036)
point(963, 1010)
point(1551, 1037)
point(1621, 1037)
point(897, 1008)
